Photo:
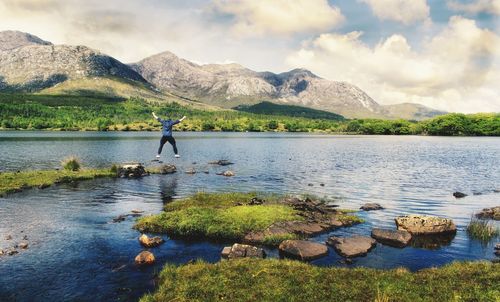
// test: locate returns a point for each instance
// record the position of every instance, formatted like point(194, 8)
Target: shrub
point(71, 163)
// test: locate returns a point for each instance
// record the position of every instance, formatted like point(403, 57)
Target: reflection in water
point(432, 242)
point(78, 252)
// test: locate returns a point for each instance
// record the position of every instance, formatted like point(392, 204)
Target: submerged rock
point(489, 213)
point(425, 225)
point(371, 206)
point(145, 258)
point(227, 173)
point(221, 162)
point(119, 218)
point(395, 238)
point(302, 249)
point(242, 251)
point(350, 247)
point(23, 245)
point(168, 169)
point(432, 241)
point(131, 170)
point(497, 246)
point(190, 171)
point(150, 242)
point(459, 195)
point(8, 237)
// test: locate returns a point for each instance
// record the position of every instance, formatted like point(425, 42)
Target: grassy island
point(11, 182)
point(288, 280)
point(232, 216)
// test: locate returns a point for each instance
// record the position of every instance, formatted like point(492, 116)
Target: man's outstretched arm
point(156, 117)
point(180, 120)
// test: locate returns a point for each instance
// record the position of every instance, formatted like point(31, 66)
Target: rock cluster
point(132, 170)
point(302, 249)
point(242, 251)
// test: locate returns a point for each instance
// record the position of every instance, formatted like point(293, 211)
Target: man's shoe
point(177, 156)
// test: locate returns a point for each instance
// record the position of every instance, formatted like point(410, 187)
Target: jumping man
point(167, 133)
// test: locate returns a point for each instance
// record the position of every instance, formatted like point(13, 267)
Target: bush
point(71, 163)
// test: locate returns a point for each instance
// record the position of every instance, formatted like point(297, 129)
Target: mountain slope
point(11, 39)
point(231, 85)
point(269, 108)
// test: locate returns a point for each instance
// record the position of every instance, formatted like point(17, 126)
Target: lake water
point(77, 253)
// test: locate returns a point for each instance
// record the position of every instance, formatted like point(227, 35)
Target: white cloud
point(456, 70)
point(258, 17)
point(404, 11)
point(478, 6)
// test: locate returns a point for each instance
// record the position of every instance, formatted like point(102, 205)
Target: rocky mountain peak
point(11, 39)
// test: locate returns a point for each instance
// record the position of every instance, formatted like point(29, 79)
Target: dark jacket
point(167, 126)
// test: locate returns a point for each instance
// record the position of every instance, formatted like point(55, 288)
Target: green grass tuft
point(287, 280)
point(71, 163)
point(482, 230)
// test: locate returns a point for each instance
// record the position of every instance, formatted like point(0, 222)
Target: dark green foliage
point(289, 110)
point(71, 163)
point(29, 111)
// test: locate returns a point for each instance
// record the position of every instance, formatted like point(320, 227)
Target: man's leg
point(171, 140)
point(163, 140)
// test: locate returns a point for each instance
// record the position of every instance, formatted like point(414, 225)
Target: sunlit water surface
point(77, 253)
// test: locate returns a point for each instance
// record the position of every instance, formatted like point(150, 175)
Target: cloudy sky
point(441, 53)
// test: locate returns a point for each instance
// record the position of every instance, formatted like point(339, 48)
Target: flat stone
point(371, 206)
point(395, 238)
point(302, 249)
point(354, 246)
point(242, 251)
point(489, 213)
point(145, 258)
point(425, 225)
point(227, 173)
point(150, 242)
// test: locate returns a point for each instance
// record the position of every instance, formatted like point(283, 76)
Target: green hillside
point(289, 110)
point(109, 113)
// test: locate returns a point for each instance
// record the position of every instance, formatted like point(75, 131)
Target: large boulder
point(425, 225)
point(150, 242)
point(302, 249)
point(131, 170)
point(371, 206)
point(168, 169)
point(242, 251)
point(350, 247)
point(145, 258)
point(490, 213)
point(395, 238)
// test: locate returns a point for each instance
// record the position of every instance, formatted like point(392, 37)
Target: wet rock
point(131, 170)
point(350, 247)
point(145, 258)
point(150, 242)
point(206, 172)
point(371, 206)
point(497, 253)
point(168, 169)
point(8, 237)
point(302, 249)
point(322, 184)
point(459, 195)
point(425, 225)
point(23, 245)
point(242, 251)
point(310, 185)
point(25, 237)
point(489, 213)
point(497, 246)
point(221, 162)
point(395, 238)
point(135, 211)
point(119, 218)
point(11, 251)
point(227, 173)
point(256, 201)
point(190, 171)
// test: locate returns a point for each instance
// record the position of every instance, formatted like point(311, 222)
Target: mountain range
point(30, 64)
